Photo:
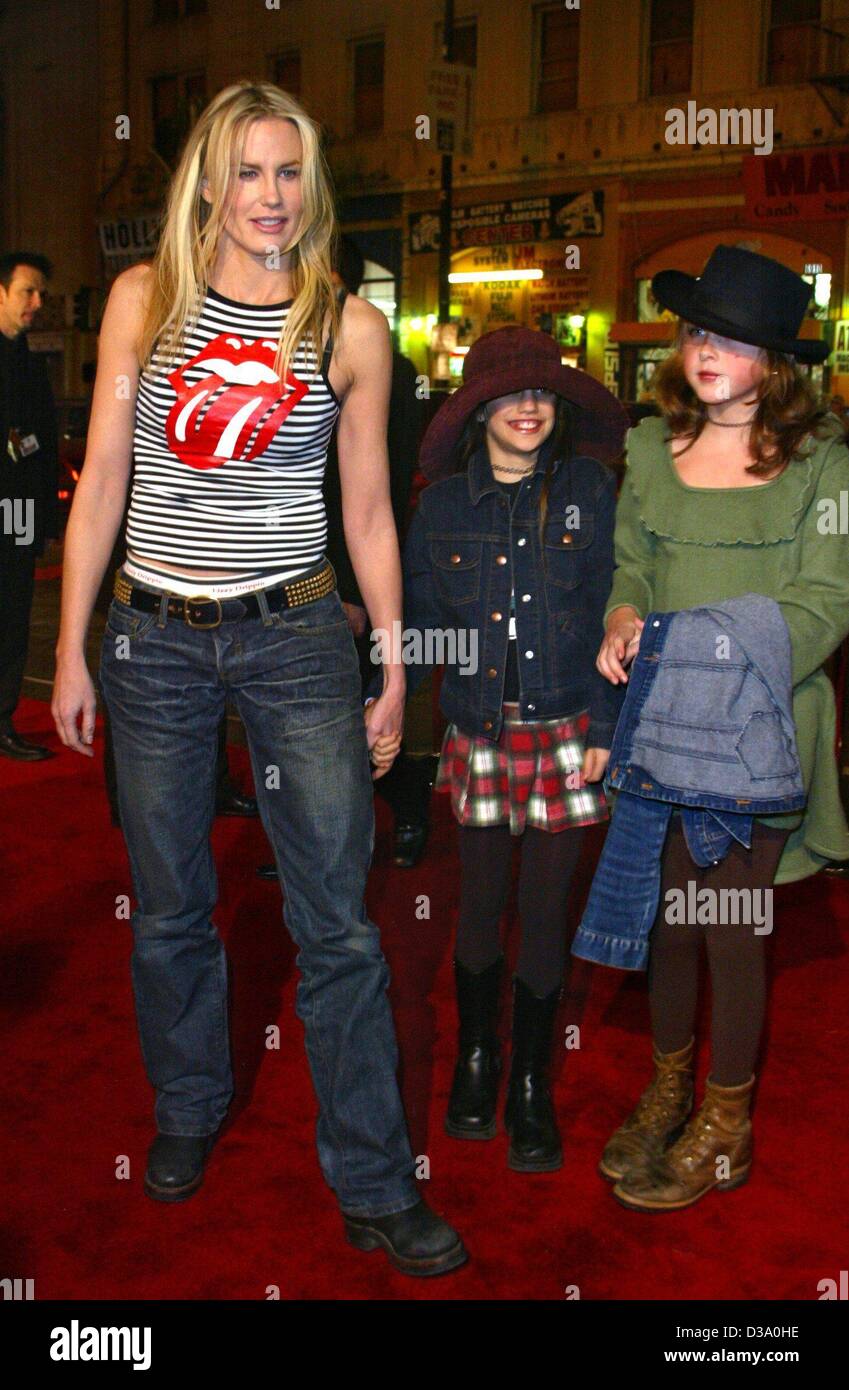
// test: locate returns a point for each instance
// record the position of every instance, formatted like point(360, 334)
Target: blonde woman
point(223, 367)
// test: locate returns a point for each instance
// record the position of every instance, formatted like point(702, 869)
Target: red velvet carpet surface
point(78, 1108)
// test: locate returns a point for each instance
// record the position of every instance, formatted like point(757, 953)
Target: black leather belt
point(201, 610)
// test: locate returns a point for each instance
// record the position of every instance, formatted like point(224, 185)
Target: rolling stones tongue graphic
point(237, 406)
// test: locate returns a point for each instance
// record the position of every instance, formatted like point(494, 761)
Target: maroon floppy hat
point(516, 359)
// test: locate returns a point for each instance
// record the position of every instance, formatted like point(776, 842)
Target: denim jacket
point(707, 725)
point(466, 547)
point(709, 710)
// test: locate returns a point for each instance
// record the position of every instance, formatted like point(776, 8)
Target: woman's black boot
point(474, 1092)
point(529, 1118)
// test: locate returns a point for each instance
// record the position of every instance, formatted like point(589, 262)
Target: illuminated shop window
point(378, 287)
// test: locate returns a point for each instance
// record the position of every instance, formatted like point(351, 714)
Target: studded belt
point(202, 610)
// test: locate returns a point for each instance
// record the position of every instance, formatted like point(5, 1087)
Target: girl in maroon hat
point(509, 560)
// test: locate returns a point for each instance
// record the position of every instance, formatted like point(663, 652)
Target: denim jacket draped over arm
point(707, 726)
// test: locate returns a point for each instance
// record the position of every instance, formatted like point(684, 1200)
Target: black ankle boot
point(416, 1240)
point(474, 1092)
point(529, 1118)
point(175, 1165)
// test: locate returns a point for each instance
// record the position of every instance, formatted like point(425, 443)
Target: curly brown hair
point(787, 411)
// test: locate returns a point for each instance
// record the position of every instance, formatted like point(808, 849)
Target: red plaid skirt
point(531, 776)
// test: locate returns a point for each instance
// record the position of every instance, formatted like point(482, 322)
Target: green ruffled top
point(679, 546)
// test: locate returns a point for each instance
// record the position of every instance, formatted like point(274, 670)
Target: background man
point(29, 459)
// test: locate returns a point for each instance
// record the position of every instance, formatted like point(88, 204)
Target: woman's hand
point(74, 694)
point(620, 645)
point(595, 762)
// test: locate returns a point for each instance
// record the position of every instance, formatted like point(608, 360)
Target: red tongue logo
point(206, 425)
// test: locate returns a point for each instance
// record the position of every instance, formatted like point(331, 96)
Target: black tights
point(736, 957)
point(548, 862)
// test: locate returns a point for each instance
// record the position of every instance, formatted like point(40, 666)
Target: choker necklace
point(728, 424)
point(523, 472)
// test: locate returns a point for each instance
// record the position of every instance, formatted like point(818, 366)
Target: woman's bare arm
point(365, 356)
point(99, 502)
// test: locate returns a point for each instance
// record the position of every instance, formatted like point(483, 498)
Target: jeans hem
point(600, 949)
point(382, 1209)
point(187, 1133)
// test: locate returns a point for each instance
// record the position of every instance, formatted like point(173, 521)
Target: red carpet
point(78, 1103)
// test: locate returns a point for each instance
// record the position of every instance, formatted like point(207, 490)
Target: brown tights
point(736, 956)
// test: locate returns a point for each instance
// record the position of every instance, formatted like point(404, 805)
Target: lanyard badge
point(19, 446)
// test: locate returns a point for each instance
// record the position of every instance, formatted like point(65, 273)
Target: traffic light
point(82, 308)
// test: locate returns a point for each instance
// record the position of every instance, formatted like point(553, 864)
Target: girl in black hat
point(729, 493)
point(512, 550)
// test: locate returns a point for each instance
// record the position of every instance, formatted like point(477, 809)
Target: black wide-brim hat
point(516, 359)
point(744, 296)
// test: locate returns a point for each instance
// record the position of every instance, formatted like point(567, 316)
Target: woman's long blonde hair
point(192, 226)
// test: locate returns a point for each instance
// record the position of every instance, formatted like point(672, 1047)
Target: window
point(165, 98)
point(557, 88)
point(378, 287)
point(670, 58)
point(176, 100)
point(194, 91)
point(465, 43)
point(286, 71)
point(175, 9)
point(793, 42)
point(368, 86)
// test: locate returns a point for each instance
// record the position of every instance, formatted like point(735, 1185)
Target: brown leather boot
point(715, 1150)
point(659, 1117)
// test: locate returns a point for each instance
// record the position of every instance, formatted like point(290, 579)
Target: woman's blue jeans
point(294, 678)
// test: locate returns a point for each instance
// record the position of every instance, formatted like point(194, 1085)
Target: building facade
point(574, 178)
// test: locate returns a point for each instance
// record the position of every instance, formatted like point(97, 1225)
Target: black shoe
point(529, 1117)
point(417, 1241)
point(13, 746)
point(474, 1089)
point(175, 1165)
point(410, 840)
point(267, 871)
point(233, 803)
point(838, 867)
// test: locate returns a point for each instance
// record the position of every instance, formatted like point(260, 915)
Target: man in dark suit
point(29, 460)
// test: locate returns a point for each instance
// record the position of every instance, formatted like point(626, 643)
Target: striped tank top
point(227, 467)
